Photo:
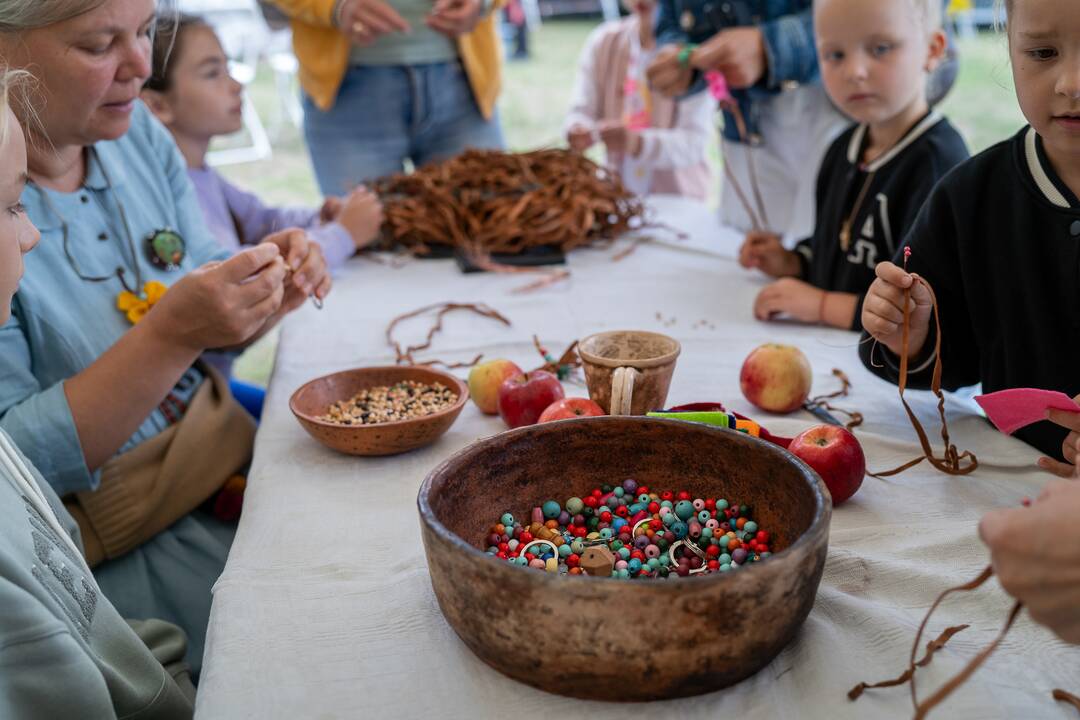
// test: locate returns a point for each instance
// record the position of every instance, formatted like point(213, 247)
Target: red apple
point(835, 455)
point(484, 382)
point(776, 378)
point(523, 398)
point(570, 408)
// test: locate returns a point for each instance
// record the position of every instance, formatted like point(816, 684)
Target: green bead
point(724, 559)
point(605, 489)
point(574, 505)
point(507, 519)
point(612, 502)
point(765, 555)
point(577, 546)
point(664, 560)
point(616, 546)
point(624, 574)
point(551, 509)
point(725, 568)
point(706, 533)
point(684, 509)
point(653, 563)
point(624, 553)
point(721, 504)
point(592, 523)
point(744, 511)
point(619, 492)
point(750, 527)
point(724, 542)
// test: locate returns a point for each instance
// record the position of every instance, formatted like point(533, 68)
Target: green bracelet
point(685, 53)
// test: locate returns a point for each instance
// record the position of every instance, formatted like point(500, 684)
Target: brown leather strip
point(407, 356)
point(931, 647)
point(1065, 697)
point(952, 461)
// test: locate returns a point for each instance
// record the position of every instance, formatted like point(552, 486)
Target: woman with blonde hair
point(100, 380)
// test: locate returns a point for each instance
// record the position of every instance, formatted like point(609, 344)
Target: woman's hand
point(304, 259)
point(736, 53)
point(364, 21)
point(454, 18)
point(221, 304)
point(667, 75)
point(1070, 448)
point(1035, 552)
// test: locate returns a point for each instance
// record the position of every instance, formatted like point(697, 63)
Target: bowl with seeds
point(380, 410)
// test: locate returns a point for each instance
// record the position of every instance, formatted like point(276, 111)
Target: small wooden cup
point(629, 371)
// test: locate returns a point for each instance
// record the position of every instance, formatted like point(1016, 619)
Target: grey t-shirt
point(64, 650)
point(420, 46)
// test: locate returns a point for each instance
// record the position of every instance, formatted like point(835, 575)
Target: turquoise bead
point(724, 541)
point(619, 492)
point(668, 504)
point(670, 519)
point(706, 533)
point(634, 566)
point(665, 560)
point(750, 527)
point(574, 505)
point(679, 529)
point(507, 519)
point(551, 509)
point(643, 499)
point(624, 574)
point(684, 509)
point(653, 563)
point(721, 504)
point(606, 533)
point(724, 559)
point(725, 568)
point(577, 546)
point(564, 551)
point(765, 555)
point(624, 553)
point(704, 516)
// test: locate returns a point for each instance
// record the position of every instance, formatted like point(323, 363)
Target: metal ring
point(317, 301)
point(554, 547)
point(633, 533)
point(694, 549)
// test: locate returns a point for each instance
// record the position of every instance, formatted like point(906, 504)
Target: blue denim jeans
point(387, 114)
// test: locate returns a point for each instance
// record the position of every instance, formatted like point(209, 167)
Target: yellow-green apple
point(835, 455)
point(570, 408)
point(484, 382)
point(523, 397)
point(776, 378)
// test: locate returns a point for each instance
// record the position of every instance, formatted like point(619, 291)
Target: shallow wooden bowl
point(314, 399)
point(609, 639)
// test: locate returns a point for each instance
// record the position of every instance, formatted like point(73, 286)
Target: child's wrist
point(685, 55)
point(822, 308)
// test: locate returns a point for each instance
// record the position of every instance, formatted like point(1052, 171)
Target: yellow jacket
point(323, 52)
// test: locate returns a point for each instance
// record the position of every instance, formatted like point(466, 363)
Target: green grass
point(535, 98)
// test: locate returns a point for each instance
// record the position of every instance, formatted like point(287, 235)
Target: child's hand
point(1036, 556)
point(362, 216)
point(667, 75)
point(796, 298)
point(620, 140)
point(883, 309)
point(764, 251)
point(1070, 448)
point(579, 138)
point(331, 207)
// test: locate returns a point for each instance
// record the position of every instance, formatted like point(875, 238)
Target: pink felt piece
point(1011, 410)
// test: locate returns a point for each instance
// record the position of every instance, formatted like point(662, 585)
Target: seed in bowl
point(405, 400)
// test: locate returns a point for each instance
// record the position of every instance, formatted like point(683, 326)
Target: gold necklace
point(845, 229)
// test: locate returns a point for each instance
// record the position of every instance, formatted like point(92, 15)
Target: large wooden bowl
point(609, 639)
point(315, 398)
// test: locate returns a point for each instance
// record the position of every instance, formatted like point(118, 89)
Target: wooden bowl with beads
point(312, 401)
point(614, 639)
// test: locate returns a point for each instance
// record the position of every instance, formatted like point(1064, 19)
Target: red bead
point(605, 516)
point(666, 495)
point(526, 537)
point(591, 501)
point(656, 524)
point(714, 564)
point(683, 495)
point(622, 511)
point(572, 560)
point(501, 555)
point(762, 536)
point(530, 557)
point(710, 505)
point(654, 507)
point(713, 551)
point(638, 554)
point(503, 547)
point(597, 493)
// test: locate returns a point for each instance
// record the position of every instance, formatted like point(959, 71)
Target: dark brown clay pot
point(313, 400)
point(609, 639)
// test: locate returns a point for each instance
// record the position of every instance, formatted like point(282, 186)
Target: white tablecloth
point(325, 609)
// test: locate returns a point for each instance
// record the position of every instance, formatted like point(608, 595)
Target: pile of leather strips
point(488, 202)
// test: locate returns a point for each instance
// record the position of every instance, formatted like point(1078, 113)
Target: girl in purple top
point(194, 96)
